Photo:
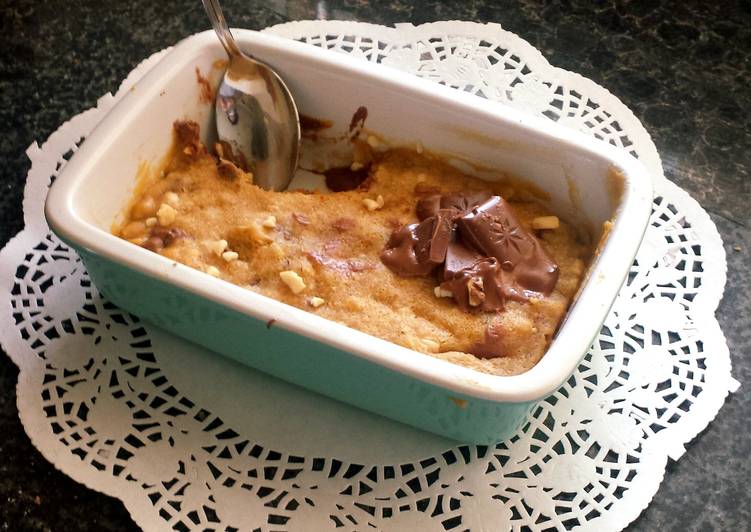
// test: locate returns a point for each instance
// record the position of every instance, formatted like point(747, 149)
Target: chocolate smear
point(311, 125)
point(301, 218)
point(343, 178)
point(358, 121)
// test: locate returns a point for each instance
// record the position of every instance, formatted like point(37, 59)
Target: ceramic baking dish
point(578, 174)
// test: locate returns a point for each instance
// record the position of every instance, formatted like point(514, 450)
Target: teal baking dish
point(303, 348)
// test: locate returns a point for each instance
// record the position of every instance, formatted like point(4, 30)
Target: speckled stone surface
point(682, 67)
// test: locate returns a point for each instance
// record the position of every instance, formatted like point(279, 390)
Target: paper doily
point(190, 440)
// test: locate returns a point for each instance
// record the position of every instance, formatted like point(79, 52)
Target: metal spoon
point(255, 112)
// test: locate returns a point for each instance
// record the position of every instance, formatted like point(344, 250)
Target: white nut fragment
point(151, 222)
point(475, 291)
point(373, 204)
point(269, 222)
point(213, 270)
point(256, 234)
point(355, 166)
point(229, 256)
point(418, 147)
point(373, 141)
point(217, 247)
point(166, 214)
point(317, 301)
point(546, 222)
point(293, 281)
point(276, 250)
point(441, 292)
point(172, 198)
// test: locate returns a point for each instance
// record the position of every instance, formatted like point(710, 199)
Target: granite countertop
point(682, 67)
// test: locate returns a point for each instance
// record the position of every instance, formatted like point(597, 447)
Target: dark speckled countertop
point(682, 67)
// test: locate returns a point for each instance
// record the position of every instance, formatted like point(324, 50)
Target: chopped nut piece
point(269, 222)
point(373, 204)
point(213, 270)
point(133, 230)
point(217, 247)
point(172, 198)
point(144, 208)
point(430, 345)
point(276, 250)
point(356, 166)
point(440, 292)
point(257, 235)
point(151, 222)
point(166, 214)
point(475, 291)
point(246, 238)
point(373, 141)
point(229, 256)
point(317, 301)
point(546, 222)
point(418, 147)
point(293, 281)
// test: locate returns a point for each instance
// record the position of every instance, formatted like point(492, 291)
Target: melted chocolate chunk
point(416, 249)
point(487, 256)
point(493, 229)
point(458, 204)
point(464, 202)
point(478, 286)
point(458, 257)
point(433, 236)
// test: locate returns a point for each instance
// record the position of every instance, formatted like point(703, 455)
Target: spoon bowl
point(256, 116)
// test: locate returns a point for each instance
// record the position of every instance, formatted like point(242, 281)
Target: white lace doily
point(190, 440)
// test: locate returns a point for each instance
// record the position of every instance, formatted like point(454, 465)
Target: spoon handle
point(214, 11)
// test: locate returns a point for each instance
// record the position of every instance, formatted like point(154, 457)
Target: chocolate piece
point(464, 202)
point(433, 236)
point(458, 257)
point(458, 204)
point(493, 229)
point(416, 249)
